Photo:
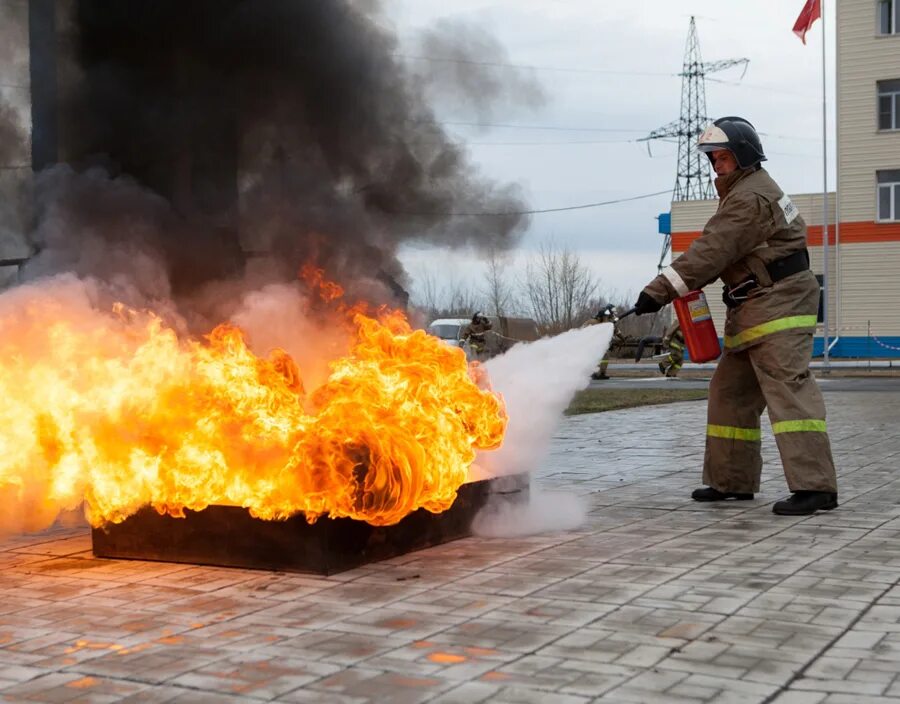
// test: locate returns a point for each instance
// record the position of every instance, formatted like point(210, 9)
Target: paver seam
point(724, 519)
point(730, 516)
point(650, 587)
point(801, 673)
point(587, 569)
point(862, 613)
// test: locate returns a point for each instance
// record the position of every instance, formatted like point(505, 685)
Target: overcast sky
point(781, 94)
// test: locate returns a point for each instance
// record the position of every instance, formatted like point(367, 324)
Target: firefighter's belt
point(778, 270)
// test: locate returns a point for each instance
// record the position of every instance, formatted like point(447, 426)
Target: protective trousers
point(774, 373)
point(673, 362)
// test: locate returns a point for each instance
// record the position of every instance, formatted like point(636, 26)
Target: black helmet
point(737, 136)
point(608, 313)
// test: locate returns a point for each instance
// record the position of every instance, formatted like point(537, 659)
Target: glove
point(646, 304)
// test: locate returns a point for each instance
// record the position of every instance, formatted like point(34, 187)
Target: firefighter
point(474, 333)
point(606, 315)
point(674, 341)
point(756, 243)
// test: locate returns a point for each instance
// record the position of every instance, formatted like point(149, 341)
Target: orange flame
point(142, 417)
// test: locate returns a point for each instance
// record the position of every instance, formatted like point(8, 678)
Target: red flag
point(811, 11)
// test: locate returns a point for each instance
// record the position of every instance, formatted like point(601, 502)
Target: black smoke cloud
point(464, 68)
point(204, 135)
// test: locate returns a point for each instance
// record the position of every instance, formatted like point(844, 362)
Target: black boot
point(803, 503)
point(707, 493)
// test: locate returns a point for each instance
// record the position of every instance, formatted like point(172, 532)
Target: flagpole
point(825, 236)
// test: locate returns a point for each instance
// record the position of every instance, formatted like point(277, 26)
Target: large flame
point(125, 414)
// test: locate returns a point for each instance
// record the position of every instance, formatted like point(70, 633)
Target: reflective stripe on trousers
point(728, 432)
point(799, 426)
point(758, 331)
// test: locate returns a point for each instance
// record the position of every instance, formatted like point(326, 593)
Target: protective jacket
point(476, 335)
point(755, 225)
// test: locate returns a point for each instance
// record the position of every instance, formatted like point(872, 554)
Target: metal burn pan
point(229, 536)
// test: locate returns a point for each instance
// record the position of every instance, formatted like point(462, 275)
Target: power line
point(513, 213)
point(499, 64)
point(548, 144)
point(554, 128)
point(757, 86)
point(566, 128)
point(611, 72)
point(577, 142)
point(791, 138)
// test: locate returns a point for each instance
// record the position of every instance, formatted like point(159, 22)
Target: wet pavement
point(654, 598)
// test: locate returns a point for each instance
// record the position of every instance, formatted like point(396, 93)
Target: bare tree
point(635, 326)
point(452, 299)
point(427, 292)
point(497, 290)
point(560, 289)
point(461, 300)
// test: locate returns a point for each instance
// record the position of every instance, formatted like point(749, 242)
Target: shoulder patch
point(788, 208)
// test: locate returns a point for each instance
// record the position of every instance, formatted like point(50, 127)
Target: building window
point(889, 105)
point(889, 195)
point(888, 16)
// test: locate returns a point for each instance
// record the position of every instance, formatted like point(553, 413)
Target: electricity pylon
point(693, 181)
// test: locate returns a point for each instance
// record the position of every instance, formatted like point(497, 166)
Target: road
point(829, 384)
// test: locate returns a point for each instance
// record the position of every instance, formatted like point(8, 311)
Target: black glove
point(646, 304)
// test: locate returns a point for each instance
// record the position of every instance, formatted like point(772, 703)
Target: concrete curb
point(816, 364)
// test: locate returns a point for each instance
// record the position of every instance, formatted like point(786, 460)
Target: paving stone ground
point(653, 599)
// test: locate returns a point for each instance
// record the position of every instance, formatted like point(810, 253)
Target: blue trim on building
point(850, 348)
point(861, 347)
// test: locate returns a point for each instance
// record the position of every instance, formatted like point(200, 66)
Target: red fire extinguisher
point(698, 327)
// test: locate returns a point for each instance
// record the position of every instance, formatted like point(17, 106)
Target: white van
point(448, 329)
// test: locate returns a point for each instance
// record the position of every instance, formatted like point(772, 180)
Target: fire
point(121, 412)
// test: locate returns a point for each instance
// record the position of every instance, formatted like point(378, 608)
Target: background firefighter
point(673, 340)
point(756, 243)
point(474, 333)
point(606, 315)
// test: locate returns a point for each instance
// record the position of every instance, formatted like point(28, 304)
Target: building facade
point(863, 310)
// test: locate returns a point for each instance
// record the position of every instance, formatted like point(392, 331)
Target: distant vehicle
point(449, 329)
point(504, 334)
point(516, 329)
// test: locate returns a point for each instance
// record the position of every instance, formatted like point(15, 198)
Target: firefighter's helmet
point(737, 136)
point(480, 319)
point(607, 315)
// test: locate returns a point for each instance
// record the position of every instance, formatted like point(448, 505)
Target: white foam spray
point(544, 512)
point(537, 381)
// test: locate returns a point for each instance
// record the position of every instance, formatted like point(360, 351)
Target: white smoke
point(537, 381)
point(545, 512)
point(278, 315)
